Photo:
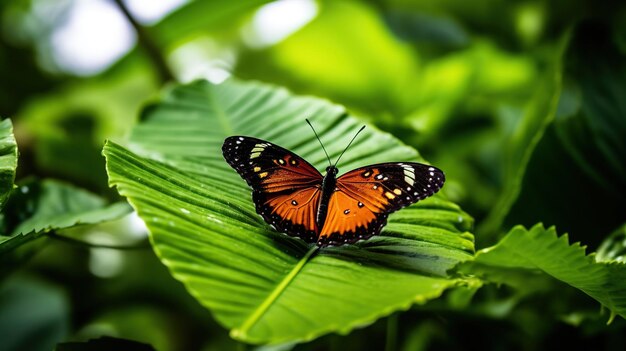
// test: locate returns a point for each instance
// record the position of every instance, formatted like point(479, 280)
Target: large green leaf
point(524, 251)
point(8, 160)
point(265, 286)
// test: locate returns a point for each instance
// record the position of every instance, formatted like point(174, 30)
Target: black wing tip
point(437, 178)
point(233, 150)
point(228, 143)
point(231, 139)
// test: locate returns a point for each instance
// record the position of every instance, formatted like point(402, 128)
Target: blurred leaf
point(104, 343)
point(64, 130)
point(57, 205)
point(265, 286)
point(481, 72)
point(198, 17)
point(576, 177)
point(426, 28)
point(39, 207)
point(492, 16)
point(468, 105)
point(8, 160)
point(460, 297)
point(541, 250)
point(421, 336)
point(34, 316)
point(141, 323)
point(347, 54)
point(520, 146)
point(512, 25)
point(19, 67)
point(598, 71)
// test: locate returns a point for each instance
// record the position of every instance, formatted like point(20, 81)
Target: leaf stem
point(241, 332)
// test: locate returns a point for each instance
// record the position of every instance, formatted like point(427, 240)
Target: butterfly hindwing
point(349, 220)
point(364, 197)
point(292, 213)
point(286, 188)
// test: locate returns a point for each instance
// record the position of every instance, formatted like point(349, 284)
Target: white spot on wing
point(409, 175)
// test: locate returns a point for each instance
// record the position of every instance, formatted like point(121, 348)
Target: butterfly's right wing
point(364, 197)
point(286, 188)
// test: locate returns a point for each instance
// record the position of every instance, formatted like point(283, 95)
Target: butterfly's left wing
point(286, 188)
point(365, 196)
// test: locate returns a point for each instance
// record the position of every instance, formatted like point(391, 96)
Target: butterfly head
point(332, 170)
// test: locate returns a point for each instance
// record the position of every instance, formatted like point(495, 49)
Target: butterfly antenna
point(318, 139)
point(350, 143)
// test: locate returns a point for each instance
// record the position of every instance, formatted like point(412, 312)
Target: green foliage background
point(156, 244)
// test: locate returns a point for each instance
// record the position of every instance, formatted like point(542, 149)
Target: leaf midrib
point(240, 333)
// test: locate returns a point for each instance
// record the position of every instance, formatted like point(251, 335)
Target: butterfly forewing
point(286, 188)
point(365, 196)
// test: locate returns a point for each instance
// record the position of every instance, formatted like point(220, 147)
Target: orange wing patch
point(293, 213)
point(350, 219)
point(299, 207)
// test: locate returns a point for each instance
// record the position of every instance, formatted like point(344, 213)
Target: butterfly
point(295, 198)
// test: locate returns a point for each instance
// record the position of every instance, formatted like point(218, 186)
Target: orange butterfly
point(294, 198)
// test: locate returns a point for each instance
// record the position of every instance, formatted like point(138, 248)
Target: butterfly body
point(293, 197)
point(329, 184)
